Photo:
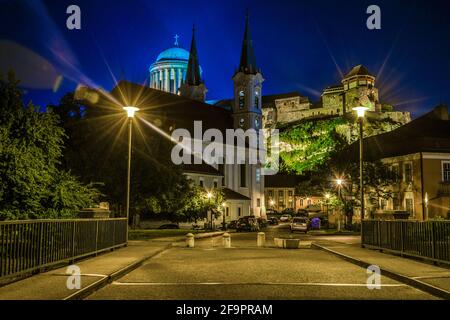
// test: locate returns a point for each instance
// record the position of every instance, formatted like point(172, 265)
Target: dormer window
point(241, 99)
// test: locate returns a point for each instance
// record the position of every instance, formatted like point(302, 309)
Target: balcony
point(444, 189)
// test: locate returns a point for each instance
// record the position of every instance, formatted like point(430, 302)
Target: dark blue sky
point(299, 45)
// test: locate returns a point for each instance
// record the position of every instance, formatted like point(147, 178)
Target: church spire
point(248, 61)
point(193, 69)
point(192, 86)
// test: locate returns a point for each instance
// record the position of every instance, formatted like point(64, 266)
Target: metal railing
point(428, 240)
point(27, 246)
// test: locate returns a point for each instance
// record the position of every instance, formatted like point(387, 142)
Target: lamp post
point(209, 196)
point(339, 183)
point(361, 111)
point(130, 114)
point(224, 224)
point(327, 199)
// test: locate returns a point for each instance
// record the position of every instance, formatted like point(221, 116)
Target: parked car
point(313, 208)
point(302, 213)
point(289, 211)
point(262, 222)
point(169, 226)
point(273, 221)
point(247, 223)
point(232, 224)
point(271, 212)
point(299, 224)
point(285, 218)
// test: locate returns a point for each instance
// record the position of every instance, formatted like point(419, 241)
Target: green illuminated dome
point(175, 53)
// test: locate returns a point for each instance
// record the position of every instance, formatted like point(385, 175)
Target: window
point(395, 172)
point(215, 184)
point(202, 183)
point(256, 99)
point(258, 175)
point(239, 211)
point(407, 172)
point(301, 202)
point(241, 99)
point(270, 193)
point(258, 202)
point(395, 202)
point(281, 193)
point(290, 193)
point(409, 205)
point(227, 212)
point(241, 122)
point(446, 171)
point(256, 123)
point(270, 115)
point(243, 175)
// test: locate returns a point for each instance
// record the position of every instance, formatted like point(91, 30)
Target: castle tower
point(193, 86)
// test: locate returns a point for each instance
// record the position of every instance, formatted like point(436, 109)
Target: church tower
point(193, 86)
point(247, 114)
point(247, 87)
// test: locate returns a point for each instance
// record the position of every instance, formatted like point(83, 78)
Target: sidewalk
point(427, 277)
point(95, 271)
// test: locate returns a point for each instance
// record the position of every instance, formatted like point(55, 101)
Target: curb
point(85, 292)
point(435, 291)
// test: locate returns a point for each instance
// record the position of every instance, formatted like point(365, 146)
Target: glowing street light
point(360, 111)
point(130, 113)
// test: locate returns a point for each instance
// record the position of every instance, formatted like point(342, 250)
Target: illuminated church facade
point(176, 73)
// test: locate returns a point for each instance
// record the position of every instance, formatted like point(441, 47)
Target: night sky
point(300, 45)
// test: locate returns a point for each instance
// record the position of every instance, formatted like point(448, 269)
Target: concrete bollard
point(190, 240)
point(226, 240)
point(261, 240)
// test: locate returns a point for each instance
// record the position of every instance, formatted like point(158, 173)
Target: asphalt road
point(245, 271)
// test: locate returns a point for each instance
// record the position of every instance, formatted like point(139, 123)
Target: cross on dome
point(176, 40)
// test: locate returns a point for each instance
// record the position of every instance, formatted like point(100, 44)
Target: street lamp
point(360, 111)
point(339, 183)
point(130, 113)
point(224, 224)
point(209, 196)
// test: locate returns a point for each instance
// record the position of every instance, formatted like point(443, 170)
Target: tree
point(378, 180)
point(96, 151)
point(31, 142)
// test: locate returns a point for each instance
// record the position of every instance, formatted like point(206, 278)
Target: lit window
point(258, 175)
point(256, 99)
point(446, 171)
point(241, 99)
point(256, 123)
point(408, 172)
point(241, 122)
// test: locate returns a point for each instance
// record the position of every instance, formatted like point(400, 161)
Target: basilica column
point(180, 77)
point(160, 76)
point(166, 80)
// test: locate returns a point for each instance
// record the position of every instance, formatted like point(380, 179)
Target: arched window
point(241, 99)
point(257, 99)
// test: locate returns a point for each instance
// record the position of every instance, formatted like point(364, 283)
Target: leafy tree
point(97, 144)
point(31, 143)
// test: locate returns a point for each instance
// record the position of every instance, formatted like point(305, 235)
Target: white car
point(299, 224)
point(285, 218)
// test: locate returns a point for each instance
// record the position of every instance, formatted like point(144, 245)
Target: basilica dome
point(168, 71)
point(175, 53)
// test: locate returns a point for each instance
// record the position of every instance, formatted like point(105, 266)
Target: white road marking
point(250, 283)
